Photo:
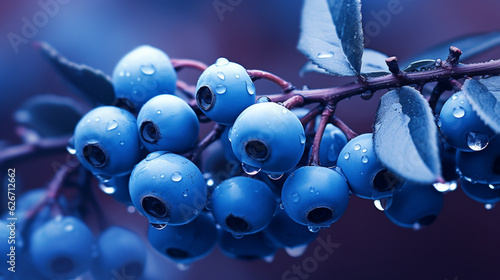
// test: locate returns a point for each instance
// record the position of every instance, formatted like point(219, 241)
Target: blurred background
point(463, 243)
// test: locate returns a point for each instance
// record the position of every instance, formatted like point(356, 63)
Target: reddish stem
point(325, 117)
point(294, 101)
point(211, 137)
point(180, 63)
point(188, 89)
point(349, 133)
point(259, 74)
point(311, 115)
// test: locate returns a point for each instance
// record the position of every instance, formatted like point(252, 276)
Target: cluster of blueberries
point(269, 199)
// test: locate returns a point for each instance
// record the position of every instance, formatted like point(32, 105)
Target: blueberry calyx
point(237, 224)
point(319, 215)
point(205, 98)
point(154, 207)
point(384, 181)
point(257, 150)
point(95, 155)
point(150, 132)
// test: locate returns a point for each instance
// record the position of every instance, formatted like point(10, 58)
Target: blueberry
point(483, 166)
point(107, 142)
point(315, 196)
point(185, 243)
point(224, 90)
point(243, 205)
point(121, 252)
point(142, 74)
point(415, 205)
point(366, 176)
point(214, 161)
point(482, 193)
point(268, 136)
point(332, 142)
point(62, 248)
point(285, 232)
point(249, 247)
point(167, 123)
point(168, 188)
point(118, 188)
point(461, 126)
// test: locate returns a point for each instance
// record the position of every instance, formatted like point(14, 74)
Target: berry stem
point(199, 113)
point(438, 90)
point(325, 117)
point(180, 63)
point(349, 133)
point(186, 88)
point(294, 101)
point(311, 115)
point(42, 147)
point(211, 137)
point(259, 74)
point(457, 86)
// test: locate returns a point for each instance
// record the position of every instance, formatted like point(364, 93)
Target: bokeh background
point(463, 243)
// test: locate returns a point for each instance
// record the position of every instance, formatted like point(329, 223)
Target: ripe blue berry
point(185, 243)
point(168, 188)
point(415, 205)
point(121, 252)
point(167, 123)
point(268, 136)
point(331, 144)
point(224, 90)
point(315, 196)
point(461, 126)
point(285, 232)
point(482, 193)
point(214, 162)
point(107, 142)
point(366, 176)
point(483, 166)
point(62, 248)
point(243, 205)
point(142, 74)
point(249, 247)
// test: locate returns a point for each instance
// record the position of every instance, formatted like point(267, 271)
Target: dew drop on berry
point(176, 177)
point(127, 74)
point(158, 112)
point(237, 76)
point(122, 143)
point(347, 156)
point(250, 87)
point(238, 235)
point(312, 189)
point(454, 97)
point(107, 189)
point(313, 229)
point(367, 95)
point(275, 176)
point(221, 62)
point(185, 193)
point(364, 150)
point(70, 147)
point(250, 170)
point(445, 187)
point(477, 141)
point(489, 206)
point(263, 99)
point(383, 203)
point(69, 227)
point(458, 112)
point(102, 178)
point(148, 69)
point(268, 259)
point(282, 206)
point(111, 125)
point(357, 147)
point(220, 89)
point(296, 251)
point(327, 54)
point(302, 138)
point(122, 74)
point(221, 75)
point(295, 197)
point(97, 119)
point(364, 159)
point(162, 175)
point(159, 226)
point(492, 186)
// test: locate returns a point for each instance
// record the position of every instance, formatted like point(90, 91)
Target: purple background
point(463, 243)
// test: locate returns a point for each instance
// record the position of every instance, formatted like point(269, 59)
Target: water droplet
point(122, 74)
point(89, 120)
point(97, 119)
point(210, 182)
point(275, 176)
point(325, 54)
point(302, 138)
point(250, 170)
point(458, 112)
point(357, 147)
point(367, 95)
point(263, 99)
point(131, 209)
point(107, 189)
point(238, 235)
point(220, 89)
point(489, 206)
point(313, 229)
point(122, 142)
point(296, 251)
point(162, 175)
point(111, 125)
point(268, 259)
point(127, 74)
point(312, 189)
point(185, 193)
point(70, 147)
point(491, 186)
point(364, 159)
point(454, 97)
point(347, 156)
point(159, 226)
point(295, 197)
point(221, 75)
point(282, 206)
point(221, 62)
point(176, 177)
point(445, 187)
point(477, 141)
point(102, 178)
point(378, 205)
point(148, 69)
point(183, 266)
point(284, 111)
point(439, 122)
point(69, 227)
point(236, 76)
point(158, 112)
point(250, 87)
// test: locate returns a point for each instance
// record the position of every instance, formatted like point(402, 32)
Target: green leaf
point(50, 115)
point(94, 85)
point(346, 15)
point(484, 97)
point(406, 136)
point(319, 40)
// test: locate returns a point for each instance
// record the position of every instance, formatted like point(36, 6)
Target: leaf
point(319, 41)
point(420, 65)
point(50, 115)
point(373, 65)
point(406, 136)
point(94, 85)
point(484, 97)
point(346, 15)
point(471, 46)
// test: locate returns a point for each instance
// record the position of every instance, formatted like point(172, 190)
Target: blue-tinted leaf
point(373, 65)
point(94, 85)
point(420, 65)
point(484, 97)
point(470, 45)
point(406, 136)
point(319, 41)
point(50, 115)
point(346, 15)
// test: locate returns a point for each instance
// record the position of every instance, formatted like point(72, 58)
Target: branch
point(438, 90)
point(311, 115)
point(259, 74)
point(325, 117)
point(211, 137)
point(179, 64)
point(294, 101)
point(45, 146)
point(349, 133)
